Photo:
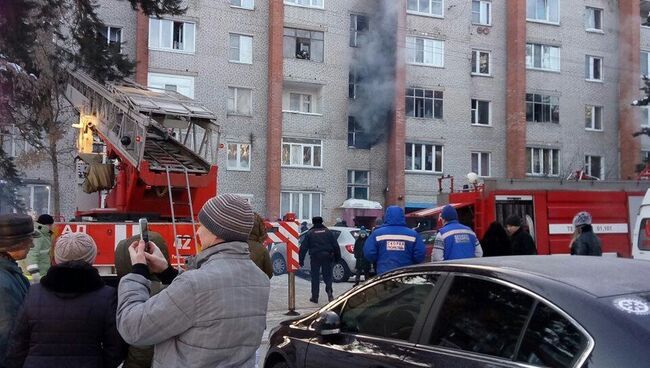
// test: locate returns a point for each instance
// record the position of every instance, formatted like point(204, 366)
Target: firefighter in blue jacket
point(454, 240)
point(393, 244)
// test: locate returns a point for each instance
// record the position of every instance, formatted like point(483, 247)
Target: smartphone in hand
point(144, 234)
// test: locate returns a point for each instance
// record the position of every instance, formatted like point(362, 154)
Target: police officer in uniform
point(324, 251)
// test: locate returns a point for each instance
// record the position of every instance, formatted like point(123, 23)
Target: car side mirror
point(328, 324)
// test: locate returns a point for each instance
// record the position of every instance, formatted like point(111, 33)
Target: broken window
point(358, 29)
point(303, 44)
point(357, 137)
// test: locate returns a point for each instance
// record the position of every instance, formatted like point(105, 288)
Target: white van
point(641, 236)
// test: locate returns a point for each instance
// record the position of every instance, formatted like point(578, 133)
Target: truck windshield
point(644, 235)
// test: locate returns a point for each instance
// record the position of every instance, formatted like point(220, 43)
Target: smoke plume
point(374, 63)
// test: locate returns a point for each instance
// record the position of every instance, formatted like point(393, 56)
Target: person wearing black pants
point(323, 251)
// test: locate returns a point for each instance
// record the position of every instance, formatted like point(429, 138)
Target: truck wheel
point(340, 272)
point(279, 265)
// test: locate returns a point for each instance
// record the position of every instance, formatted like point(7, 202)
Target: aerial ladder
point(158, 156)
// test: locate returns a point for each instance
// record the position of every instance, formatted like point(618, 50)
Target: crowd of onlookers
point(214, 313)
point(211, 315)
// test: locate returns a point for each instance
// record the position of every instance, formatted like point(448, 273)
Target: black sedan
point(530, 311)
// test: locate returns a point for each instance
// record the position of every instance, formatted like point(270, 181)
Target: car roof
point(622, 276)
point(343, 228)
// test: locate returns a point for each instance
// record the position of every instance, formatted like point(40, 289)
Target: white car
point(342, 270)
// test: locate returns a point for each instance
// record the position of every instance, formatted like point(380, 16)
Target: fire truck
point(142, 153)
point(548, 207)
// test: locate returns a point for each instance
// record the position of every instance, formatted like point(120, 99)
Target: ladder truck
point(143, 153)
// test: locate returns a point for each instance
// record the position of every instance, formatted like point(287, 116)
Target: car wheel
point(279, 265)
point(340, 272)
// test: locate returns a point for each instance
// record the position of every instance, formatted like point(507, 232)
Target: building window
point(303, 44)
point(241, 49)
point(240, 101)
point(306, 3)
point(302, 152)
point(645, 116)
point(480, 62)
point(645, 60)
point(354, 78)
point(305, 205)
point(37, 198)
point(594, 117)
point(481, 163)
point(481, 112)
point(594, 167)
point(245, 4)
point(543, 10)
point(645, 156)
point(542, 57)
point(12, 141)
point(542, 108)
point(171, 35)
point(594, 68)
point(357, 137)
point(424, 158)
point(594, 19)
point(358, 29)
point(113, 37)
point(427, 7)
point(169, 82)
point(424, 103)
point(358, 184)
point(299, 102)
point(482, 12)
point(425, 51)
point(542, 162)
point(239, 156)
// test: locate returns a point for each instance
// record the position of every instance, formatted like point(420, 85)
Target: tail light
point(350, 248)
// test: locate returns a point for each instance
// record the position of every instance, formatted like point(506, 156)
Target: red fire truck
point(548, 207)
point(142, 153)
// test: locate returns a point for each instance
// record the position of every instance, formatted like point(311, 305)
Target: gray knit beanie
point(228, 216)
point(581, 219)
point(75, 247)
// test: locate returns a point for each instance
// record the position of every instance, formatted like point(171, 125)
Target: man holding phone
point(210, 316)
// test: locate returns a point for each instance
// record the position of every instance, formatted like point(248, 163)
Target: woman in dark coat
point(69, 319)
point(496, 241)
point(362, 265)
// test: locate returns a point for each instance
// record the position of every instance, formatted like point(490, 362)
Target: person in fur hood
point(68, 320)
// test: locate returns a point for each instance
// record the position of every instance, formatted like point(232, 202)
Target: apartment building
point(325, 100)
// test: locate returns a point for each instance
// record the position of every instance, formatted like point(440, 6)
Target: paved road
point(278, 304)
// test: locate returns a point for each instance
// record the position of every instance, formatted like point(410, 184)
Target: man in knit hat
point(16, 233)
point(454, 240)
point(213, 315)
